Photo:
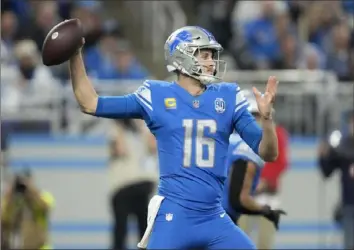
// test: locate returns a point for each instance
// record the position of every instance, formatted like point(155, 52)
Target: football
point(62, 42)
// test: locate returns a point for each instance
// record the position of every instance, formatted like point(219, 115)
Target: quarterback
point(192, 120)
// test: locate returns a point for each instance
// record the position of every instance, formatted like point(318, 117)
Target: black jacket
point(341, 157)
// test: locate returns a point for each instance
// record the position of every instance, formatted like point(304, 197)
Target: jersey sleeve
point(143, 96)
point(244, 123)
point(137, 105)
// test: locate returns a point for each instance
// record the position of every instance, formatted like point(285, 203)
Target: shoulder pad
point(224, 86)
point(145, 92)
point(157, 83)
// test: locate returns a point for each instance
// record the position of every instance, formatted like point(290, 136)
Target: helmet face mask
point(184, 51)
point(210, 67)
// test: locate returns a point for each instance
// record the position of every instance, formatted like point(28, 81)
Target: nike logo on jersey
point(222, 215)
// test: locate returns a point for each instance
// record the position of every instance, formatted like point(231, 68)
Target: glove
point(273, 215)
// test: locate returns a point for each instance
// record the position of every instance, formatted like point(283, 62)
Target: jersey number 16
point(201, 143)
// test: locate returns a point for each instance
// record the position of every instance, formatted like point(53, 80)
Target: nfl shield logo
point(220, 105)
point(196, 103)
point(169, 217)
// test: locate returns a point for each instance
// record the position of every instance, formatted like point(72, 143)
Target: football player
point(244, 174)
point(192, 120)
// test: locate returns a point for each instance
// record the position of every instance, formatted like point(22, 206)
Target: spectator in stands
point(45, 17)
point(339, 52)
point(9, 26)
point(9, 78)
point(25, 87)
point(65, 8)
point(312, 58)
point(29, 79)
point(134, 177)
point(337, 154)
point(22, 9)
point(261, 36)
point(267, 193)
point(348, 7)
point(247, 11)
point(283, 25)
point(89, 14)
point(296, 55)
point(9, 75)
point(126, 64)
point(297, 10)
point(34, 75)
point(321, 16)
point(36, 27)
point(289, 47)
point(25, 214)
point(114, 60)
point(99, 58)
point(215, 16)
point(241, 57)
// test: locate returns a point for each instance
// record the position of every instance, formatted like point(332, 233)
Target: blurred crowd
point(25, 24)
point(28, 85)
point(255, 34)
point(284, 34)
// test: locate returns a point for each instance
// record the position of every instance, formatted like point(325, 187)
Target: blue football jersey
point(192, 134)
point(239, 150)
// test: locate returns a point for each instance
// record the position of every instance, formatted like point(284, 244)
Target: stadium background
point(309, 48)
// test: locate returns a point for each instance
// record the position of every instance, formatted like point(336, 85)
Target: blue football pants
point(176, 227)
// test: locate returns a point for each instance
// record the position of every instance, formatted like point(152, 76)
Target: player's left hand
point(265, 102)
point(273, 215)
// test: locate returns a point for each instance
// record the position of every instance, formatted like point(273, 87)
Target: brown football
point(62, 42)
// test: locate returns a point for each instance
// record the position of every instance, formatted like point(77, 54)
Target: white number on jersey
point(200, 142)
